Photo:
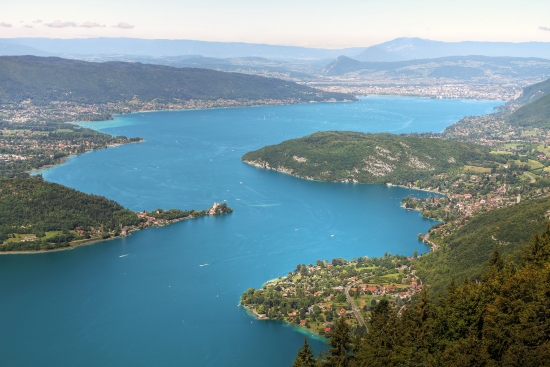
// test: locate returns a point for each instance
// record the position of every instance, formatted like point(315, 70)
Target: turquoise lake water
point(157, 306)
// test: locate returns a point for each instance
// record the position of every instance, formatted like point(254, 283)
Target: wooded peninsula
point(37, 215)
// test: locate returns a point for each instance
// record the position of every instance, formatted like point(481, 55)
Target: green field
point(544, 150)
point(530, 175)
point(501, 152)
point(18, 237)
point(14, 132)
point(477, 169)
point(528, 133)
point(534, 165)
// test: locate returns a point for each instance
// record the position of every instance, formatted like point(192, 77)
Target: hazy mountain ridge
point(395, 50)
point(454, 67)
point(165, 47)
point(418, 48)
point(54, 79)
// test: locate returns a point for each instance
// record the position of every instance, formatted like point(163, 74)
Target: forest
point(368, 158)
point(502, 319)
point(45, 79)
point(463, 253)
point(33, 207)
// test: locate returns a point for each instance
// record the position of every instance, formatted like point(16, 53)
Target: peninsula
point(315, 296)
point(36, 215)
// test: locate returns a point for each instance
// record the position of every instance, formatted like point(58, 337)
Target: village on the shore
point(315, 296)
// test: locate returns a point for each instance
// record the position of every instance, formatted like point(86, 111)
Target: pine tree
point(305, 357)
point(340, 341)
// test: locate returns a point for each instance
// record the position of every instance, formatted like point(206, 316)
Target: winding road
point(352, 304)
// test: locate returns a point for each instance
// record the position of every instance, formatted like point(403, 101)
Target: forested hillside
point(367, 158)
point(33, 207)
point(42, 80)
point(463, 253)
point(533, 92)
point(535, 114)
point(502, 320)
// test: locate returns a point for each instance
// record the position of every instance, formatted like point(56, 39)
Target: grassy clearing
point(544, 150)
point(535, 164)
point(527, 133)
point(530, 175)
point(18, 237)
point(501, 152)
point(14, 132)
point(477, 169)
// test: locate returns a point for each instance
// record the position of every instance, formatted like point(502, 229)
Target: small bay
point(157, 306)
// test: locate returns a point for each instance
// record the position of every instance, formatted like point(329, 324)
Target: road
point(352, 304)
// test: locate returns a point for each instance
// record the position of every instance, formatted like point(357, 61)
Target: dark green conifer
point(340, 341)
point(305, 356)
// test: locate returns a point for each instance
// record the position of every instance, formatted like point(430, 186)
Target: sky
point(309, 23)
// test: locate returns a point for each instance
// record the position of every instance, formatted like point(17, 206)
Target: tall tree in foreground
point(340, 341)
point(305, 356)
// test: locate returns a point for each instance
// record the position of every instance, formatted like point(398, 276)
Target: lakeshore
point(314, 296)
point(92, 236)
point(116, 303)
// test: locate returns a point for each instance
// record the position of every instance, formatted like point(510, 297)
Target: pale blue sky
point(314, 23)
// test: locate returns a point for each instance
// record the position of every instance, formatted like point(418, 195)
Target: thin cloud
point(124, 25)
point(27, 26)
point(91, 25)
point(60, 24)
point(544, 28)
point(2, 24)
point(37, 21)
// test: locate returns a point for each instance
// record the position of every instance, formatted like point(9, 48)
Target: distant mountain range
point(18, 50)
point(297, 69)
point(400, 49)
point(453, 67)
point(162, 47)
point(46, 79)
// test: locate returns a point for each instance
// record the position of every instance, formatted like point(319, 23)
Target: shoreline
point(244, 105)
point(88, 242)
point(388, 185)
point(76, 122)
point(63, 160)
point(298, 328)
point(254, 164)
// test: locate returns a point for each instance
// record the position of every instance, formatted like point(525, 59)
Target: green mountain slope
point(533, 92)
point(368, 158)
point(54, 79)
point(534, 114)
point(465, 252)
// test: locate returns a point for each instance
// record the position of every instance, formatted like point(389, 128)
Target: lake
point(157, 306)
